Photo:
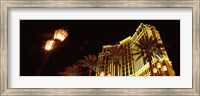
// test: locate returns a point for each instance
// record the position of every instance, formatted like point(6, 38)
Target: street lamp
point(60, 34)
point(49, 45)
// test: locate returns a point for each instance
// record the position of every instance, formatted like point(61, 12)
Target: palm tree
point(147, 47)
point(73, 70)
point(116, 51)
point(90, 61)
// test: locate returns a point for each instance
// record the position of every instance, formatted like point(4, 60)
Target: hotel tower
point(122, 59)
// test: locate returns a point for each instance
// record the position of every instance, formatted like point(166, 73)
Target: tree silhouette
point(90, 62)
point(73, 70)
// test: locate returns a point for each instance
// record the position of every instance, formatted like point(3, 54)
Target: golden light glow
point(102, 73)
point(49, 45)
point(155, 70)
point(164, 68)
point(60, 34)
point(109, 74)
point(158, 65)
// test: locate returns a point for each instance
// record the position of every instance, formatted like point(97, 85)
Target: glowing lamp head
point(155, 70)
point(49, 45)
point(164, 68)
point(60, 34)
point(102, 73)
point(158, 65)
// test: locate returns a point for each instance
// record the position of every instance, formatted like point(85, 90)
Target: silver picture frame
point(6, 4)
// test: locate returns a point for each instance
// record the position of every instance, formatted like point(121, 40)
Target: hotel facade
point(128, 64)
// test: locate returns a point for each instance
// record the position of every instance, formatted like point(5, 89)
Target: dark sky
point(85, 37)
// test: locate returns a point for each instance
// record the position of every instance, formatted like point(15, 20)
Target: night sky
point(85, 37)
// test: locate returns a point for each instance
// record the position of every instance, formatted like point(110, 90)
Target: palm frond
point(90, 57)
point(140, 56)
point(88, 61)
point(137, 53)
point(73, 70)
point(139, 45)
point(148, 44)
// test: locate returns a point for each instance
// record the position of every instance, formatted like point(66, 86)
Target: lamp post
point(49, 45)
point(59, 36)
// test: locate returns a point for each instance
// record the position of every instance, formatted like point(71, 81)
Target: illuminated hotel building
point(128, 65)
